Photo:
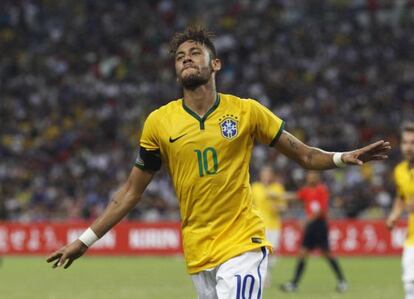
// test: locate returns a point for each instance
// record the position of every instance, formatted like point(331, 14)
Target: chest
point(221, 135)
point(312, 195)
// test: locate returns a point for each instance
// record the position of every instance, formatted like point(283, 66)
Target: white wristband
point(337, 159)
point(88, 237)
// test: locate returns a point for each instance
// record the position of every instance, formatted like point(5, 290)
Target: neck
point(410, 164)
point(200, 99)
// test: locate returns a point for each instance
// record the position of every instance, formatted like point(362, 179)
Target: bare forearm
point(317, 159)
point(122, 203)
point(290, 196)
point(396, 211)
point(308, 157)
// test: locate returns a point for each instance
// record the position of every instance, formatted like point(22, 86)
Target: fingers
point(381, 148)
point(354, 161)
point(379, 157)
point(377, 146)
point(70, 261)
point(372, 146)
point(62, 260)
point(55, 264)
point(55, 255)
point(59, 259)
point(375, 151)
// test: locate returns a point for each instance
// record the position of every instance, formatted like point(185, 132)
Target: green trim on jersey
point(202, 119)
point(276, 138)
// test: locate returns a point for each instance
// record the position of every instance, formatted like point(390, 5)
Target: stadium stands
point(77, 79)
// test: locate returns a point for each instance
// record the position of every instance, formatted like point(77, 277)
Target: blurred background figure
point(315, 198)
point(404, 201)
point(268, 197)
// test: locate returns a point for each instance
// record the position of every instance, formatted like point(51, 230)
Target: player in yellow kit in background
point(205, 139)
point(268, 197)
point(404, 181)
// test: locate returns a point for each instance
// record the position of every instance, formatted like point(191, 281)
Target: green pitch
point(165, 278)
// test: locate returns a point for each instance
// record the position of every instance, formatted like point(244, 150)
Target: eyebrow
point(191, 49)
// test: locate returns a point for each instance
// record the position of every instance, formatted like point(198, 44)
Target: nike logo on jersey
point(175, 139)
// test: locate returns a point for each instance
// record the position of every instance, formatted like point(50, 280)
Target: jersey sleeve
point(149, 157)
point(266, 126)
point(149, 137)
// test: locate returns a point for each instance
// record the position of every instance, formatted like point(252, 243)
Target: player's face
point(193, 64)
point(407, 145)
point(312, 177)
point(266, 176)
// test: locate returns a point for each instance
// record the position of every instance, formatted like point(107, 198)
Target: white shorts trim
point(273, 236)
point(408, 264)
point(239, 277)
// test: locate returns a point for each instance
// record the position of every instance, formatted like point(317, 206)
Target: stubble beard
point(196, 80)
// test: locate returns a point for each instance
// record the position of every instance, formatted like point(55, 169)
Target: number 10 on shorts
point(245, 286)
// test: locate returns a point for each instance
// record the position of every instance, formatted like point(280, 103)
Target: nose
point(187, 59)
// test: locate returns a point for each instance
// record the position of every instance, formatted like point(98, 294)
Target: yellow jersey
point(208, 160)
point(268, 199)
point(404, 180)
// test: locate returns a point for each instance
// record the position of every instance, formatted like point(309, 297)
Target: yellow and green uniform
point(265, 198)
point(404, 180)
point(208, 160)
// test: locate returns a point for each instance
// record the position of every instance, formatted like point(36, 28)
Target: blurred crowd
point(78, 78)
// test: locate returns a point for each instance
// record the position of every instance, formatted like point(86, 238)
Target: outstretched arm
point(317, 159)
point(122, 203)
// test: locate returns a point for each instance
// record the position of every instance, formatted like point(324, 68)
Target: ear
point(216, 64)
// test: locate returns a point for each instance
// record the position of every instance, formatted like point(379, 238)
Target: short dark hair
point(407, 127)
point(195, 33)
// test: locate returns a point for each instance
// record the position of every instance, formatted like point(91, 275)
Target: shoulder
point(247, 104)
point(231, 99)
point(277, 187)
point(400, 167)
point(164, 111)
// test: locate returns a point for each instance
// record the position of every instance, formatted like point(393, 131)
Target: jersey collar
point(201, 120)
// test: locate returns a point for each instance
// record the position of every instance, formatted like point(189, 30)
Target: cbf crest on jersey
point(229, 127)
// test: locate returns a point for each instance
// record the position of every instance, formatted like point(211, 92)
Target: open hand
point(67, 254)
point(375, 151)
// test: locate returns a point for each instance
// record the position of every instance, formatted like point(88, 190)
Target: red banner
point(127, 238)
point(348, 237)
point(136, 238)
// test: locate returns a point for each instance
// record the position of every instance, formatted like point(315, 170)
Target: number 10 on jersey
point(203, 158)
